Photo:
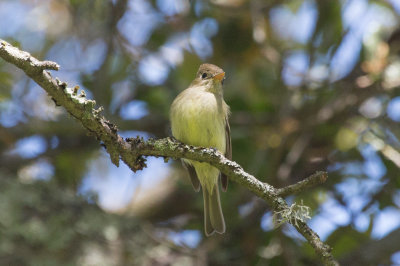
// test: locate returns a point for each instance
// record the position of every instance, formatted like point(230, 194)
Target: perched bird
point(199, 117)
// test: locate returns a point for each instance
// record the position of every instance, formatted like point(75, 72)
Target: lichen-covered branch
point(132, 150)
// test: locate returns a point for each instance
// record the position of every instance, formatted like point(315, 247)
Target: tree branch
point(311, 181)
point(132, 150)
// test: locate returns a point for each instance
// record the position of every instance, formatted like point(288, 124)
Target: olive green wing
point(192, 174)
point(228, 153)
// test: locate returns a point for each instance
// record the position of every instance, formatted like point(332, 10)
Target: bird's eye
point(204, 75)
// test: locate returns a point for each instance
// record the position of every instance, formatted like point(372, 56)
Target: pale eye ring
point(204, 75)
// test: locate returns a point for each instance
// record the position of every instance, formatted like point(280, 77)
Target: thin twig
point(311, 181)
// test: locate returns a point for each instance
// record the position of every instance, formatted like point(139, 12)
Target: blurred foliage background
point(313, 85)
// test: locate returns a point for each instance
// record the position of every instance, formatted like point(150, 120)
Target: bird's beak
point(219, 76)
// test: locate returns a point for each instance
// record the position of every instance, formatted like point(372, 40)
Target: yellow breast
point(198, 118)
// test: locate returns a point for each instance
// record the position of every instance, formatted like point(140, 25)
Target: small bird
point(199, 117)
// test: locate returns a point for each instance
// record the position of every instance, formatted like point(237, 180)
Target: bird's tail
point(213, 217)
